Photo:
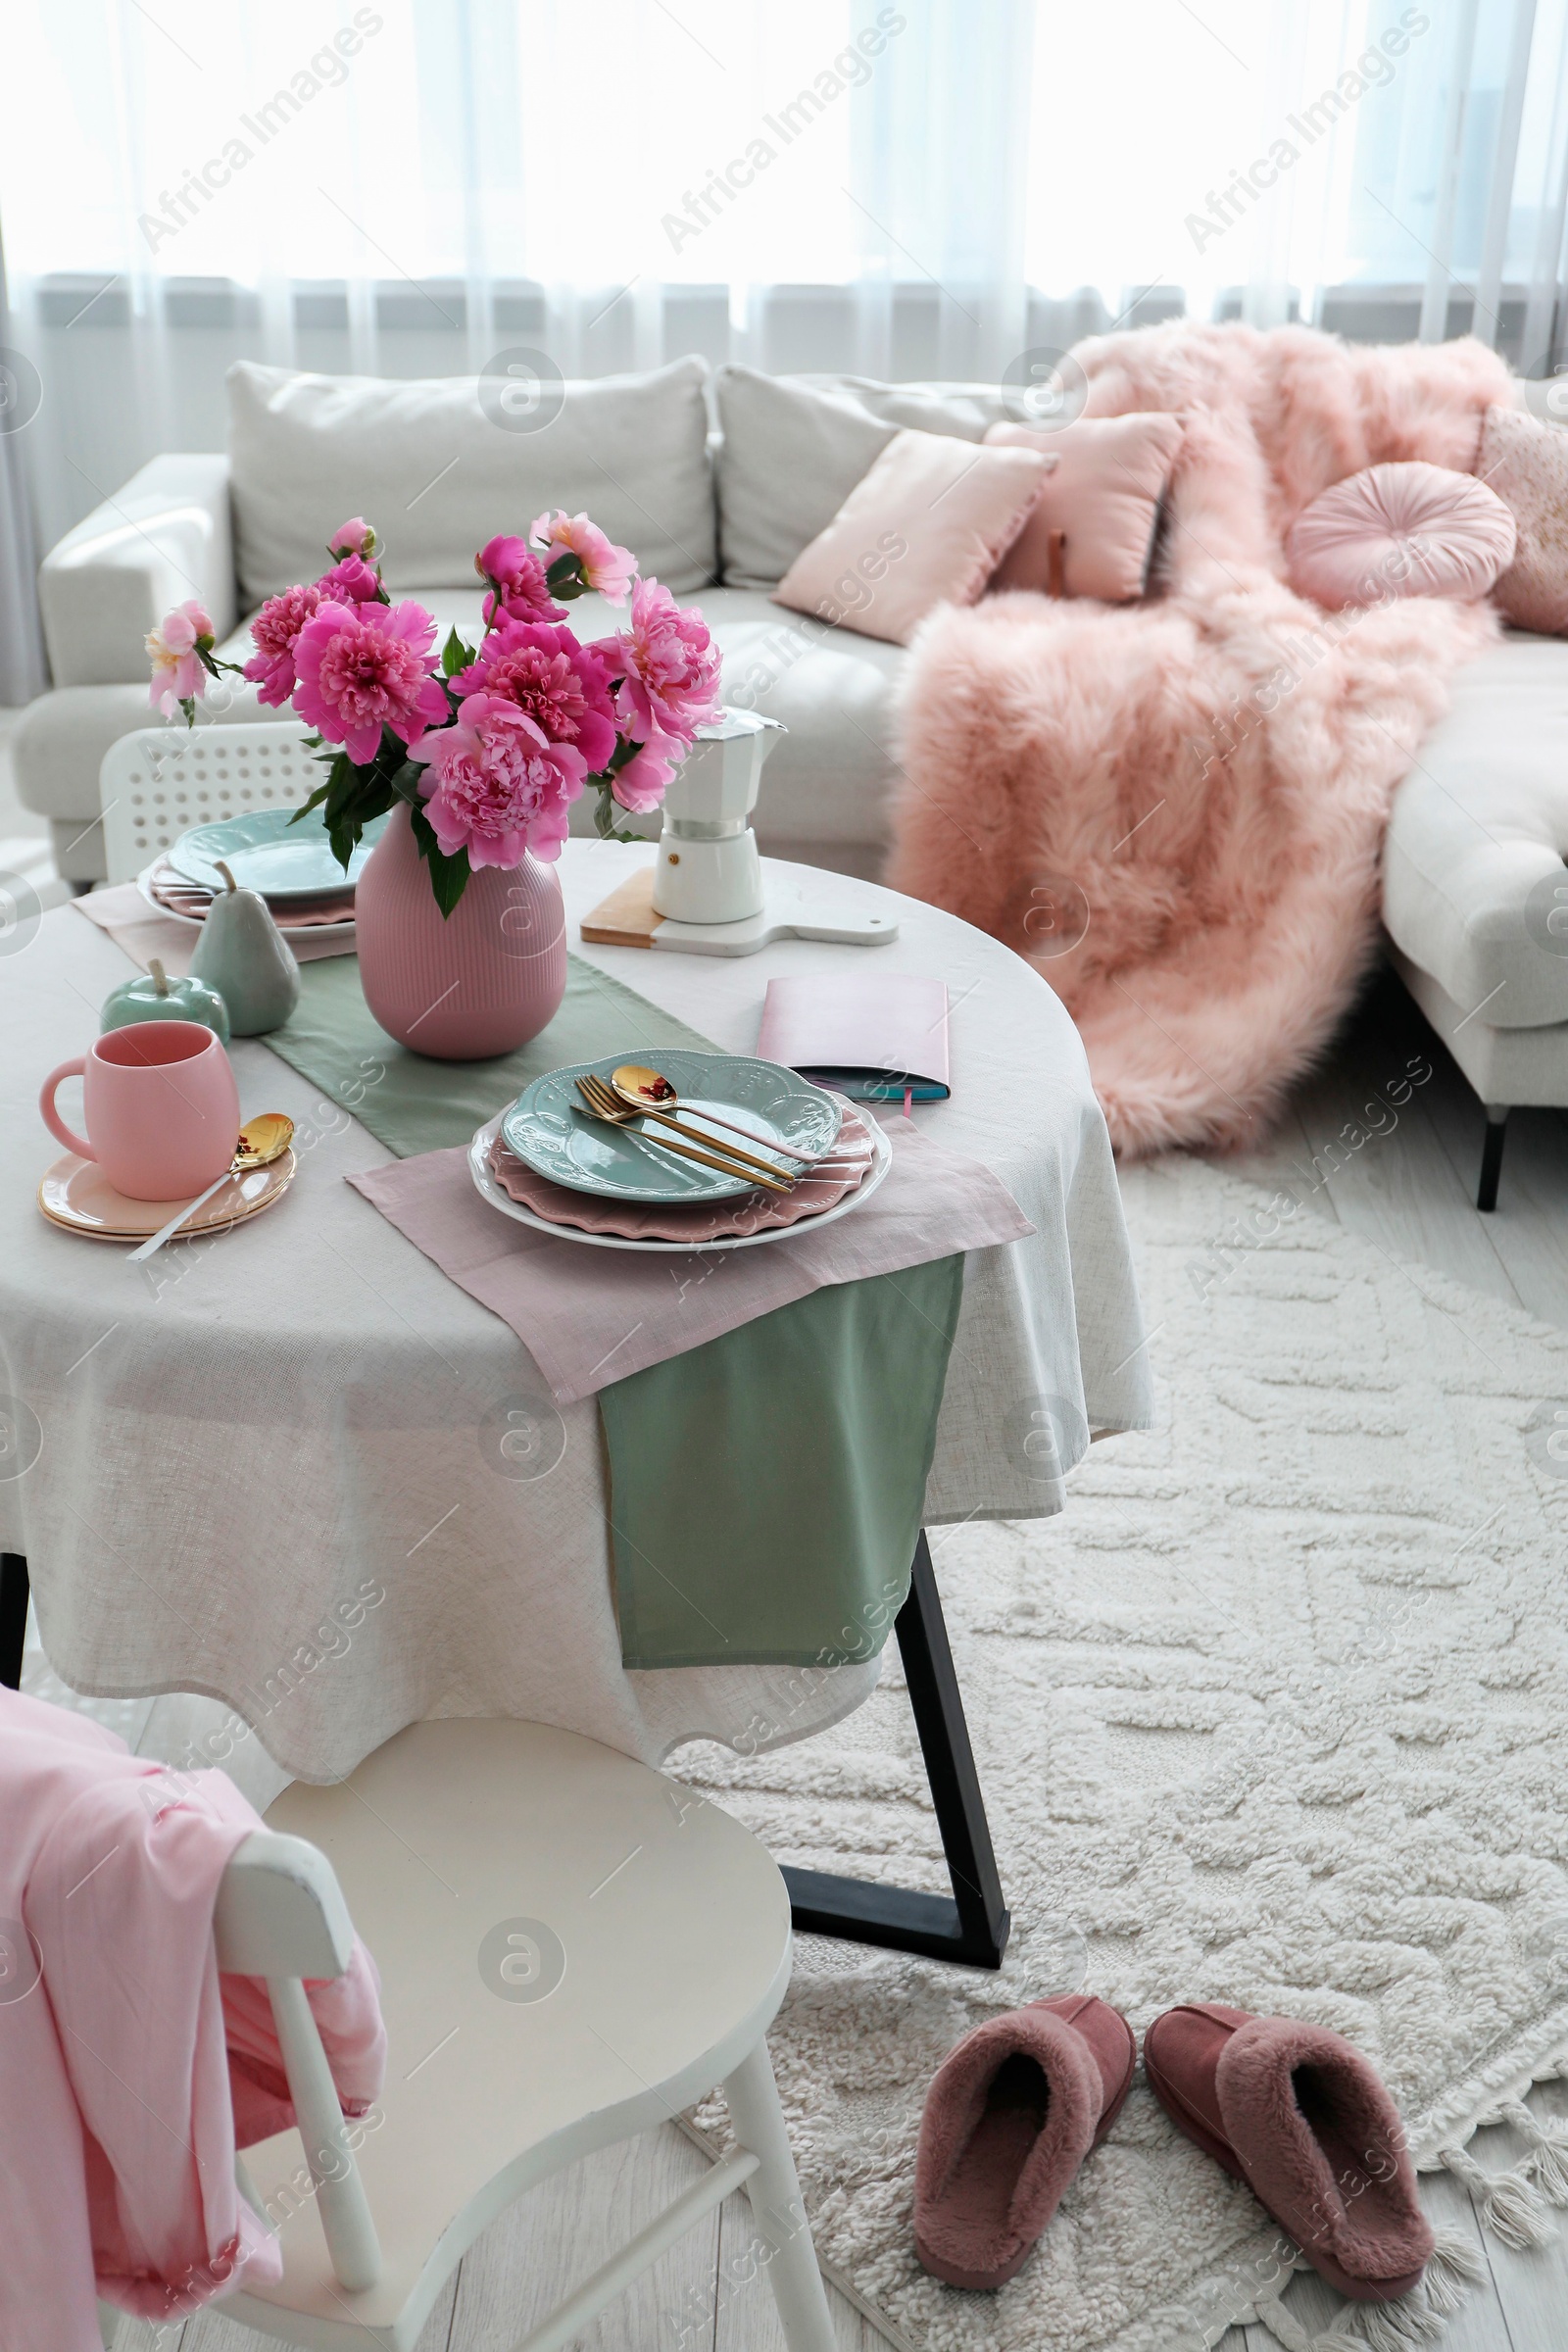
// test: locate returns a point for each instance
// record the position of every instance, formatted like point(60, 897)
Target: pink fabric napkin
point(589, 1316)
point(135, 928)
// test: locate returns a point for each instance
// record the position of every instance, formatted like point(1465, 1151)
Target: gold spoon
point(261, 1140)
point(634, 1083)
point(606, 1106)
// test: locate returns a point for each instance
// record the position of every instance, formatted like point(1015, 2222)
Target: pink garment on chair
point(124, 2058)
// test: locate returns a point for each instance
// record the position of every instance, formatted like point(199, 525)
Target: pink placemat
point(589, 1317)
point(133, 927)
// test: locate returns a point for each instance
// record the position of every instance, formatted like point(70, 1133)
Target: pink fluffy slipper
point(1298, 2113)
point(1011, 2115)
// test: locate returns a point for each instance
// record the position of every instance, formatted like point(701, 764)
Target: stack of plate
point(77, 1195)
point(291, 867)
point(548, 1164)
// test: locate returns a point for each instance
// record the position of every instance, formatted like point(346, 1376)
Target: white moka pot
point(708, 870)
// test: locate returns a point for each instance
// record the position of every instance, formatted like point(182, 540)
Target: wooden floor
point(1408, 1189)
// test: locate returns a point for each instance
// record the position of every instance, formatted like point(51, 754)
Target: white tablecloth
point(296, 1469)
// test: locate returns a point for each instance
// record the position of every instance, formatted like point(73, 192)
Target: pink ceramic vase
point(462, 986)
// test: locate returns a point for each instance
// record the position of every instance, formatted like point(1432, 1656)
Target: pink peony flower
point(362, 668)
point(606, 569)
point(497, 787)
point(645, 779)
point(670, 668)
point(178, 673)
point(274, 633)
point(557, 681)
point(519, 575)
point(353, 581)
point(352, 538)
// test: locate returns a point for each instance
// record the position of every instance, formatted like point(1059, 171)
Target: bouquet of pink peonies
point(489, 747)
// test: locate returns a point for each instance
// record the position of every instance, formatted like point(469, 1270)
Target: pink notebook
point(873, 1034)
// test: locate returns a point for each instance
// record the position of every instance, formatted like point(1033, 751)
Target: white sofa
point(1475, 887)
point(716, 483)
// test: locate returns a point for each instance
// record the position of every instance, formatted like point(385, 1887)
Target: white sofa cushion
point(827, 783)
point(795, 446)
point(163, 537)
point(422, 462)
point(1477, 838)
point(825, 790)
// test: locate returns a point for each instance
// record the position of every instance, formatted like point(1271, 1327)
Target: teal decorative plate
point(547, 1127)
point(264, 852)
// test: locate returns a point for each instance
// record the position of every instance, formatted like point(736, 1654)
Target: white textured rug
point(1277, 1714)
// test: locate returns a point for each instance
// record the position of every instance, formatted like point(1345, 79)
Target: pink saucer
point(845, 1168)
point(77, 1195)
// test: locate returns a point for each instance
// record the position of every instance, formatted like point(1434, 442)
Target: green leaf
point(342, 784)
point(456, 655)
point(314, 801)
point(449, 876)
point(607, 817)
point(405, 783)
point(564, 577)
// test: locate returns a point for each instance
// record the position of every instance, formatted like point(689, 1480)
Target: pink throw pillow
point(1399, 530)
point(1108, 476)
point(1526, 463)
point(928, 523)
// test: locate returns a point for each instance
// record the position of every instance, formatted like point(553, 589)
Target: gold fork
point(611, 1095)
point(613, 1112)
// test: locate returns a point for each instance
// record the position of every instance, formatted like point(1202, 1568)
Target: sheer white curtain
point(21, 660)
point(929, 187)
point(1431, 170)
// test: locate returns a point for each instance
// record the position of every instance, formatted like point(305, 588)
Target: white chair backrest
point(281, 1911)
point(281, 1915)
point(158, 782)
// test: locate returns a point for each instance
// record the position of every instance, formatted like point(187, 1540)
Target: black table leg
point(1492, 1156)
point(13, 1617)
point(971, 1924)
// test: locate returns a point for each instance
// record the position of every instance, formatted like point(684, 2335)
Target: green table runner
point(775, 1477)
point(411, 1104)
point(767, 1488)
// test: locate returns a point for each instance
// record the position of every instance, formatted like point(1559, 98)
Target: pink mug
point(160, 1104)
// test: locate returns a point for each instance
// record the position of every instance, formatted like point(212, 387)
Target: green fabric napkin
point(772, 1480)
point(768, 1487)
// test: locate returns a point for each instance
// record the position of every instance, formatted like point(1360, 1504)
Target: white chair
point(572, 1948)
point(157, 783)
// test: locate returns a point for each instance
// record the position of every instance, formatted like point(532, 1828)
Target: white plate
point(491, 1191)
point(333, 931)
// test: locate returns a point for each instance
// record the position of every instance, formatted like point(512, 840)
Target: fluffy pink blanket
point(1175, 809)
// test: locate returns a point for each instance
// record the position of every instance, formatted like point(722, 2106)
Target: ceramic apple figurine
point(153, 997)
point(244, 955)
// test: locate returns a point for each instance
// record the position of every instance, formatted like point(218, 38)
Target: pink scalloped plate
point(845, 1168)
point(189, 905)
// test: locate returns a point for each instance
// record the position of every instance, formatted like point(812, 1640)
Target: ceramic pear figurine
point(153, 997)
point(244, 955)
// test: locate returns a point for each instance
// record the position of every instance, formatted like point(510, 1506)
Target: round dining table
point(293, 1468)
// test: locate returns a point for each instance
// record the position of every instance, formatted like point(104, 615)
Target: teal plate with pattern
point(548, 1127)
point(265, 851)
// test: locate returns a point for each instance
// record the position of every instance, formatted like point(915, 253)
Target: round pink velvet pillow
point(1400, 530)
